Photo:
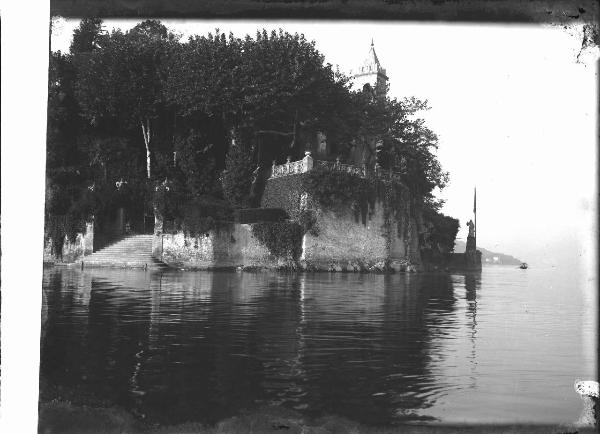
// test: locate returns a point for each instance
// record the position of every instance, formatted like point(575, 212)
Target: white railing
point(308, 163)
point(292, 167)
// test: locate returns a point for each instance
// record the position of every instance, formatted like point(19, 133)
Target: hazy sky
point(514, 110)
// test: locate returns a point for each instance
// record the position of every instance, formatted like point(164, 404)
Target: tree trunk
point(146, 134)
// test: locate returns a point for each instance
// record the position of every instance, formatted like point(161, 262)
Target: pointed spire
point(371, 63)
point(370, 72)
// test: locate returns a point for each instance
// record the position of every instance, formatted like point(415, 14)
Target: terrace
point(308, 163)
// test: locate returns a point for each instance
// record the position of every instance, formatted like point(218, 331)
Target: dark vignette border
point(487, 11)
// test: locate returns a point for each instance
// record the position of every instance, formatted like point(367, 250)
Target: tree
point(288, 90)
point(270, 93)
point(402, 141)
point(272, 88)
point(121, 82)
point(87, 37)
point(442, 231)
point(237, 177)
point(197, 165)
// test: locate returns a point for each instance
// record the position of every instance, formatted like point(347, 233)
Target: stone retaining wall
point(345, 244)
point(230, 247)
point(341, 243)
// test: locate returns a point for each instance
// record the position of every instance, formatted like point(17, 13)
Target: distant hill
point(487, 257)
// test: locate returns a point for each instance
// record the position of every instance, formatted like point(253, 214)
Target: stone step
point(116, 264)
point(145, 249)
point(106, 255)
point(134, 251)
point(136, 257)
point(130, 243)
point(122, 247)
point(125, 252)
point(119, 258)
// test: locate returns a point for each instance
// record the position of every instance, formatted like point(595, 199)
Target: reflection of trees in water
point(416, 309)
point(89, 341)
point(369, 347)
point(276, 334)
point(185, 346)
point(208, 341)
point(67, 298)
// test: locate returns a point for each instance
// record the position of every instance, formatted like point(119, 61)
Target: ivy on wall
point(339, 191)
point(307, 218)
point(283, 239)
point(397, 201)
point(284, 193)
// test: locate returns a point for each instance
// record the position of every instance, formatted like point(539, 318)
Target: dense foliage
point(256, 215)
point(283, 239)
point(142, 120)
point(338, 191)
point(284, 192)
point(238, 177)
point(307, 218)
point(442, 231)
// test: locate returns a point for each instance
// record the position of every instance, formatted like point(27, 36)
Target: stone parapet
point(308, 163)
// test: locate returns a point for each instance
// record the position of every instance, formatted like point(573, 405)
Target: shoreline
point(280, 269)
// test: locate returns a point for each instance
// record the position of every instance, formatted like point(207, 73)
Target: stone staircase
point(134, 251)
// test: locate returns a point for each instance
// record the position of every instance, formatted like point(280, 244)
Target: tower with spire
point(370, 74)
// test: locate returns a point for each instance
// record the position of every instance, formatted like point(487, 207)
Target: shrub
point(204, 214)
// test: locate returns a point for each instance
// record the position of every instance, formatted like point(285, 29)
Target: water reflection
point(203, 346)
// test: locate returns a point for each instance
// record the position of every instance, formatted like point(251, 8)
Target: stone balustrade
point(308, 163)
point(292, 167)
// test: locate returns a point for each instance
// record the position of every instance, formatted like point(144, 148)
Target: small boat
point(523, 266)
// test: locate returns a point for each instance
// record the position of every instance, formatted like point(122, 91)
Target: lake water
point(501, 346)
